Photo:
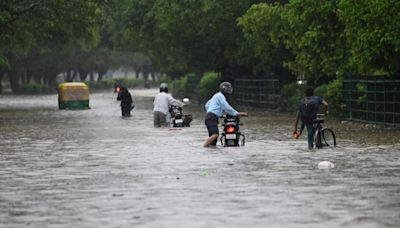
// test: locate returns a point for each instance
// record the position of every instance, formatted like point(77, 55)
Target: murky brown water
point(92, 168)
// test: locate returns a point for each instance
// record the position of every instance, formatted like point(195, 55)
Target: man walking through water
point(215, 108)
point(307, 113)
point(126, 101)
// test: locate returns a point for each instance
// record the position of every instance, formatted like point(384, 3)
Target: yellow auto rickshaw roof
point(66, 85)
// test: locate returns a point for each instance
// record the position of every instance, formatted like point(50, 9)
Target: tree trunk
point(13, 78)
point(37, 78)
point(83, 74)
point(70, 76)
point(51, 80)
point(27, 77)
point(74, 74)
point(2, 73)
point(101, 75)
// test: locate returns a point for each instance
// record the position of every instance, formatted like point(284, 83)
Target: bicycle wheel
point(328, 137)
point(317, 139)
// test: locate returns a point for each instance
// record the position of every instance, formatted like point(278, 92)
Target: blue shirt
point(218, 104)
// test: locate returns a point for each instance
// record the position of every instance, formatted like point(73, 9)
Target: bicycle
point(323, 136)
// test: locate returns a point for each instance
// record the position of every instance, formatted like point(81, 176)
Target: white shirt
point(163, 100)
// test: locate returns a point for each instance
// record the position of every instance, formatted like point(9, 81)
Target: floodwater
point(92, 168)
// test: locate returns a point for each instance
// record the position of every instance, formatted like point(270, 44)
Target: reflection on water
point(92, 168)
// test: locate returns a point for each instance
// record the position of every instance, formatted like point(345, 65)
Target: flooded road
point(92, 168)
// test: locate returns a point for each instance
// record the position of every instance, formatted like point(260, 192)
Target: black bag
point(308, 110)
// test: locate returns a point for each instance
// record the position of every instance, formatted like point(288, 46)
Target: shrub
point(362, 92)
point(109, 83)
point(32, 88)
point(333, 94)
point(208, 85)
point(179, 87)
point(291, 95)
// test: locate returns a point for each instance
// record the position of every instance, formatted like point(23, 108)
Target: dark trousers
point(126, 110)
point(211, 122)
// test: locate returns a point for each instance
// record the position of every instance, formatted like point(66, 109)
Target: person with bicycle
point(215, 108)
point(307, 113)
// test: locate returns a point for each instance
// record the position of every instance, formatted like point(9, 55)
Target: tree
point(315, 38)
point(45, 26)
point(304, 34)
point(372, 33)
point(264, 27)
point(188, 36)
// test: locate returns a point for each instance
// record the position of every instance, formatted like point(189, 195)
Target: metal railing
point(372, 99)
point(260, 93)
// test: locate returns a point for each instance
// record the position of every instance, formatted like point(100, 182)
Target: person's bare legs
point(210, 140)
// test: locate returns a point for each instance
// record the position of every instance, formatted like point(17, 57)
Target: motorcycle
point(231, 135)
point(177, 119)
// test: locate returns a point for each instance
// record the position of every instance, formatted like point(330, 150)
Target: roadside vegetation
point(318, 42)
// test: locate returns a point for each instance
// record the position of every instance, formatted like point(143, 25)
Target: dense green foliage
point(38, 38)
point(326, 39)
point(208, 85)
point(332, 92)
point(317, 40)
point(188, 36)
point(110, 83)
point(32, 88)
point(291, 95)
point(180, 87)
point(263, 27)
point(42, 39)
point(372, 32)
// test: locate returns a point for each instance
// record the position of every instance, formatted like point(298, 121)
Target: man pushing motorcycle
point(162, 101)
point(215, 107)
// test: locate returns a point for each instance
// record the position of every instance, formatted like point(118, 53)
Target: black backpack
point(308, 110)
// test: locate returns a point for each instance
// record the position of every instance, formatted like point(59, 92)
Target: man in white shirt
point(162, 101)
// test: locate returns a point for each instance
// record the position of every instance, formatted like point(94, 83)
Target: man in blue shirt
point(215, 108)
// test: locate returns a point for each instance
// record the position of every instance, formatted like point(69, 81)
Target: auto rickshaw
point(73, 95)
